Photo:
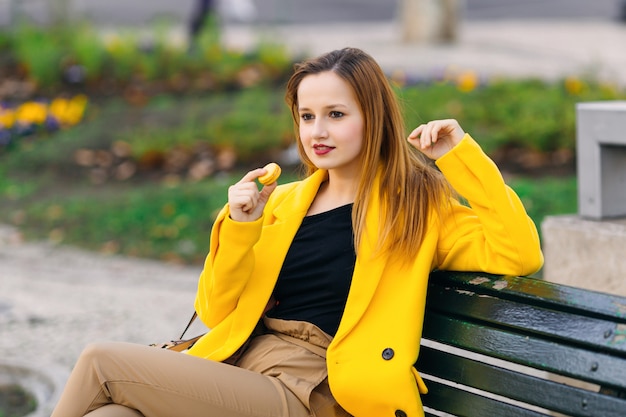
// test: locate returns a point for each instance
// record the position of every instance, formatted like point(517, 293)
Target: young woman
point(314, 291)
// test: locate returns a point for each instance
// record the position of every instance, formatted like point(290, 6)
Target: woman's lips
point(322, 149)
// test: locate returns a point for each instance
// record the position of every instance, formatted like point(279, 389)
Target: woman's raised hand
point(434, 139)
point(245, 201)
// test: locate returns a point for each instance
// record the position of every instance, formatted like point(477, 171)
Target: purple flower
point(5, 137)
point(52, 123)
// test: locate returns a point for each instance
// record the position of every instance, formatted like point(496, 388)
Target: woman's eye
point(336, 114)
point(306, 116)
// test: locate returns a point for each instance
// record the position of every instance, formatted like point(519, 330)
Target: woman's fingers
point(244, 198)
point(251, 176)
point(243, 195)
point(447, 133)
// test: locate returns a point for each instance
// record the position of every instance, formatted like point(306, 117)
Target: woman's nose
point(319, 130)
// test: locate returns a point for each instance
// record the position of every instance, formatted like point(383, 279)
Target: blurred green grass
point(173, 222)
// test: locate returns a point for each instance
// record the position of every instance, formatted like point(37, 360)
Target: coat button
point(400, 413)
point(388, 353)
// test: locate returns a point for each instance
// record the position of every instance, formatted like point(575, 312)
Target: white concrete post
point(587, 250)
point(601, 159)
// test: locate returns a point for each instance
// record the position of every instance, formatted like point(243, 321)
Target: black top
point(315, 278)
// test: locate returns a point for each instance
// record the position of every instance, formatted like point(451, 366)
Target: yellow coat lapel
point(283, 217)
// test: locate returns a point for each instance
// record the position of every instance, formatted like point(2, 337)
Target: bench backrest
point(510, 346)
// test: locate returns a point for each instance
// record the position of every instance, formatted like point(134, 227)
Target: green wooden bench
point(497, 346)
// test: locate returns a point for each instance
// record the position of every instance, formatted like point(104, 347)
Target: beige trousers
point(274, 377)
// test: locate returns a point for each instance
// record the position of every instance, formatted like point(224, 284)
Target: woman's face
point(331, 123)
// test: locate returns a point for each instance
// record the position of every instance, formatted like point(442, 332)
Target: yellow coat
point(385, 306)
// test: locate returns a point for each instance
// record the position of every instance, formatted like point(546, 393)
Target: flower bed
point(19, 121)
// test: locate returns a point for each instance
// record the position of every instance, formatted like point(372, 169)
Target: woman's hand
point(434, 139)
point(245, 200)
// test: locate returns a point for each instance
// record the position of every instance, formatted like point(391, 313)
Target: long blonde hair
point(410, 186)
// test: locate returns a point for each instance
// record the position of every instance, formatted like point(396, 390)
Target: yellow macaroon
point(273, 172)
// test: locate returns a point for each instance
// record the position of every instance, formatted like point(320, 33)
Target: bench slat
point(575, 402)
point(537, 292)
point(593, 367)
point(461, 403)
point(564, 327)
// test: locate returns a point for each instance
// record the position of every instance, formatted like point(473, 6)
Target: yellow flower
point(78, 105)
point(113, 43)
point(31, 113)
point(574, 85)
point(69, 112)
point(467, 81)
point(7, 118)
point(58, 108)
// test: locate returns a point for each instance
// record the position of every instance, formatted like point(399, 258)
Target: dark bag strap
point(193, 317)
point(270, 304)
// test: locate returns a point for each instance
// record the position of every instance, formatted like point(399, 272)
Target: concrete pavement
point(548, 49)
point(54, 300)
point(137, 13)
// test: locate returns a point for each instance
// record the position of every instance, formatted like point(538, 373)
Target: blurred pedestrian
point(202, 11)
